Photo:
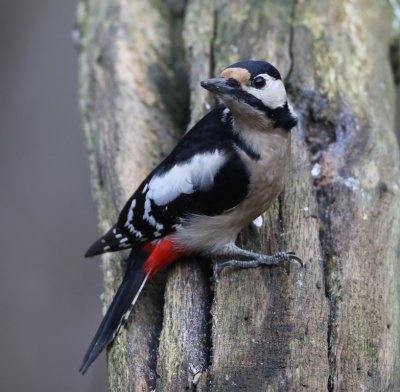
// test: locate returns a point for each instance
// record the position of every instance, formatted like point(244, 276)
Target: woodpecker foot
point(261, 260)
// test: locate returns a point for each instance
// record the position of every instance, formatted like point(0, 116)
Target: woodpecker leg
point(254, 259)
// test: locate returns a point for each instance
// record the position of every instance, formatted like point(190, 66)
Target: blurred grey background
point(49, 294)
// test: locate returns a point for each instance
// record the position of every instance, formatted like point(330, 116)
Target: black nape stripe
point(282, 117)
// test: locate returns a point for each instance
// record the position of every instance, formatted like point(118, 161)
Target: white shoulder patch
point(196, 174)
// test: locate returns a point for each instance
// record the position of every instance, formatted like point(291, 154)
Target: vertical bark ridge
point(125, 72)
point(260, 341)
point(341, 115)
point(183, 352)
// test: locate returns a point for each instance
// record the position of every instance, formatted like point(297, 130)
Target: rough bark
point(333, 325)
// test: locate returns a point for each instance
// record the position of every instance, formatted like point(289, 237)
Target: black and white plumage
point(203, 175)
point(223, 173)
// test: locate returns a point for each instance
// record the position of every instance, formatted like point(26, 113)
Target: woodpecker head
point(254, 89)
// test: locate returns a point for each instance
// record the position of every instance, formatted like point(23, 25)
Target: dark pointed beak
point(221, 85)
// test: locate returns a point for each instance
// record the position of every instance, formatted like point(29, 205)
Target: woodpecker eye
point(259, 82)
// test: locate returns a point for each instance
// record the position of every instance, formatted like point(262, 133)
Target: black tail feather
point(119, 310)
point(112, 241)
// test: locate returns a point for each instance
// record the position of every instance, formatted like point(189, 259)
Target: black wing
point(203, 175)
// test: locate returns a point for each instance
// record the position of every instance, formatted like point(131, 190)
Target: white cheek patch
point(273, 94)
point(196, 174)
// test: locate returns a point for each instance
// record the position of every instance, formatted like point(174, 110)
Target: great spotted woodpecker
point(223, 174)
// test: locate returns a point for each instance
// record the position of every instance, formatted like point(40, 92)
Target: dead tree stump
point(333, 325)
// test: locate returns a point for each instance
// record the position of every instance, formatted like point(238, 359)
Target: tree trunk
point(333, 325)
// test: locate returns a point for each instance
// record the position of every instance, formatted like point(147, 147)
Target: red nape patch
point(163, 254)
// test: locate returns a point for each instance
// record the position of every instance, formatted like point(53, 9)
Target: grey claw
point(292, 256)
point(217, 270)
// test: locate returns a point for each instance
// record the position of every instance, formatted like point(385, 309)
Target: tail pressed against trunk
point(134, 280)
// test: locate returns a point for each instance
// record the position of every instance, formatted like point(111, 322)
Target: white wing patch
point(196, 174)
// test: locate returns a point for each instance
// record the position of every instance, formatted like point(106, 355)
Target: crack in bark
point(175, 92)
point(320, 135)
point(281, 221)
point(309, 122)
point(212, 43)
point(210, 340)
point(331, 316)
point(291, 34)
point(181, 83)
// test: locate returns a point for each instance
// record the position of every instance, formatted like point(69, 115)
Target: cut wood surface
point(333, 325)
